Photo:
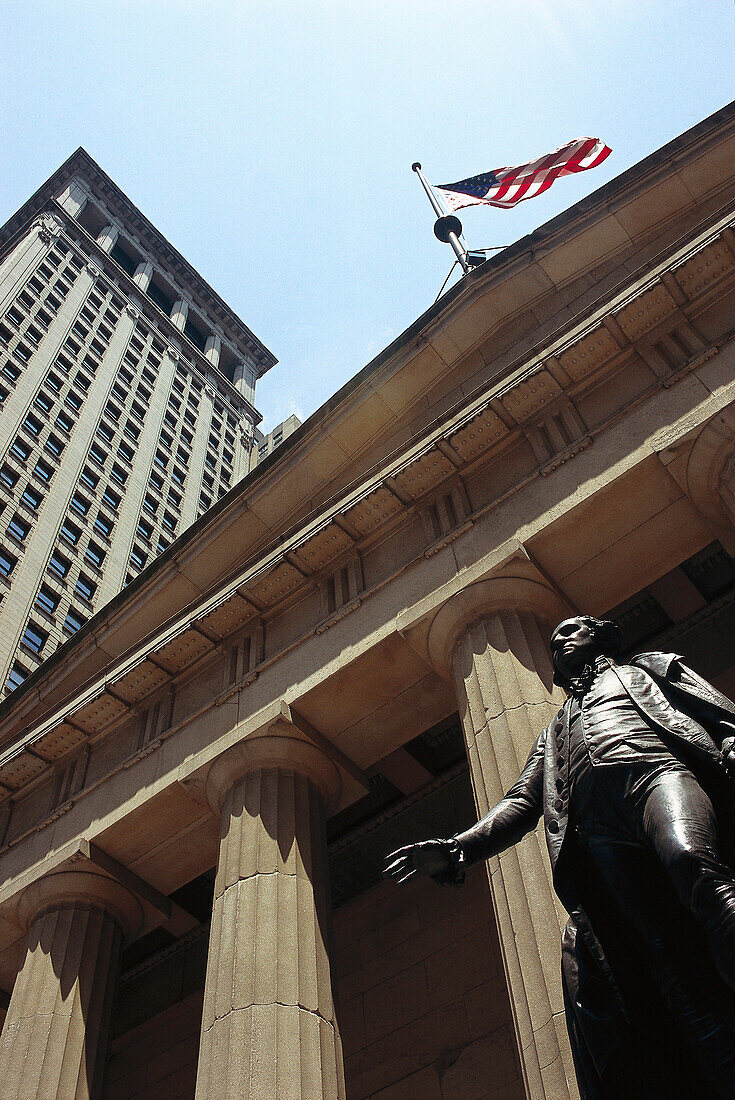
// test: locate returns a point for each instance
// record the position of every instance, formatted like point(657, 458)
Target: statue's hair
point(607, 634)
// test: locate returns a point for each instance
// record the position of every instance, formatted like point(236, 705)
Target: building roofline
point(534, 243)
point(172, 261)
point(599, 202)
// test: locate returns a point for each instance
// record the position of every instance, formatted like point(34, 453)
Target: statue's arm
point(516, 814)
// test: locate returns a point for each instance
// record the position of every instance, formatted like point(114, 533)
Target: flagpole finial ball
point(415, 167)
point(446, 226)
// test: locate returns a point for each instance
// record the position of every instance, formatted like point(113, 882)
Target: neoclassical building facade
point(198, 787)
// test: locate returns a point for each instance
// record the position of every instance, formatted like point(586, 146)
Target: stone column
point(74, 198)
point(502, 672)
point(243, 379)
point(108, 238)
point(268, 1023)
point(212, 349)
point(143, 275)
point(54, 1038)
point(179, 313)
point(726, 488)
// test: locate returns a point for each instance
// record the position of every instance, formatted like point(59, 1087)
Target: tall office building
point(266, 444)
point(126, 405)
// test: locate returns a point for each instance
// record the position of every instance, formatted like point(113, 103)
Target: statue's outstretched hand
point(428, 857)
point(727, 755)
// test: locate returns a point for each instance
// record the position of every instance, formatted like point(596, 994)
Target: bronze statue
point(635, 778)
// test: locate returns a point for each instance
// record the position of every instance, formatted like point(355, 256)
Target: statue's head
point(577, 642)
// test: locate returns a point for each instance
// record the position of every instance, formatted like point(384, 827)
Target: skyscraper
point(126, 405)
point(266, 444)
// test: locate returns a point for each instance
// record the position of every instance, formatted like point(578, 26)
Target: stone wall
point(423, 1006)
point(158, 1059)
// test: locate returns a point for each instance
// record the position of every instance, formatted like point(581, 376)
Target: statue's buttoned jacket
point(690, 716)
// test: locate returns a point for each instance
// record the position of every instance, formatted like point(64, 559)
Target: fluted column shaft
point(502, 671)
point(55, 1033)
point(268, 1025)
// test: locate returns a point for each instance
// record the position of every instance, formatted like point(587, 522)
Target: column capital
point(436, 637)
point(49, 228)
point(277, 749)
point(61, 889)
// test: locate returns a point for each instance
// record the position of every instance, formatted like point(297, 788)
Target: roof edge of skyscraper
point(173, 263)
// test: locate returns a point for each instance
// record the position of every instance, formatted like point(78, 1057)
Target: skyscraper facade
point(126, 405)
point(265, 444)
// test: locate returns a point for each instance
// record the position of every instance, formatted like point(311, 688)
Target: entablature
point(431, 474)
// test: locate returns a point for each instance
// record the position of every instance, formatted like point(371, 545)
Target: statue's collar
point(580, 685)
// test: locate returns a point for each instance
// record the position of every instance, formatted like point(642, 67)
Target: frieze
point(646, 311)
point(564, 456)
point(470, 436)
point(337, 617)
point(243, 658)
point(530, 394)
point(705, 269)
point(342, 586)
point(446, 517)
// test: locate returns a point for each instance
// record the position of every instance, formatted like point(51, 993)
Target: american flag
point(507, 186)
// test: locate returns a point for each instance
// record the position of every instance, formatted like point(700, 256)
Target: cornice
point(405, 486)
point(543, 380)
point(144, 306)
point(170, 261)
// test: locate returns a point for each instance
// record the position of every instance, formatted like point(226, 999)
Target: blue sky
point(272, 143)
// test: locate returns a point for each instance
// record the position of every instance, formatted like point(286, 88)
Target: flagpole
point(447, 227)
